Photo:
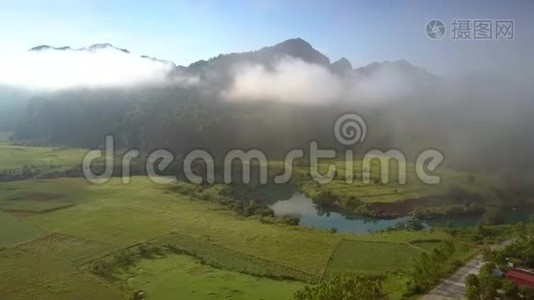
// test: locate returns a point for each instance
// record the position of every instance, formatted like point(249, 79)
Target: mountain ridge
point(93, 47)
point(295, 47)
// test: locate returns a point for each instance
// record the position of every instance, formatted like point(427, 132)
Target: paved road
point(454, 286)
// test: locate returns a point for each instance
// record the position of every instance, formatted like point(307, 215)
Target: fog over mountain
point(290, 92)
point(259, 75)
point(46, 68)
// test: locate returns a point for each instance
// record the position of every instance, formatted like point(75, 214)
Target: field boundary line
point(246, 255)
point(38, 212)
point(114, 251)
point(321, 275)
point(415, 247)
point(303, 276)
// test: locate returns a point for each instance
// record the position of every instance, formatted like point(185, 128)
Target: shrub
point(250, 209)
point(267, 220)
point(102, 268)
point(511, 291)
point(428, 269)
point(472, 286)
point(266, 212)
point(144, 251)
point(291, 220)
point(124, 259)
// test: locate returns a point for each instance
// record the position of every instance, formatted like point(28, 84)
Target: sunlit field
point(104, 219)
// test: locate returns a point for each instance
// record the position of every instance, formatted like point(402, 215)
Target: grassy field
point(107, 218)
point(42, 269)
point(50, 230)
point(31, 197)
point(14, 231)
point(371, 193)
point(121, 215)
point(393, 191)
point(219, 256)
point(14, 157)
point(370, 257)
point(183, 277)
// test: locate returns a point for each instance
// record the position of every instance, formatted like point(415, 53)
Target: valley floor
point(53, 229)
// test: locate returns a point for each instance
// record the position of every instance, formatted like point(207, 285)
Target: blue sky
point(186, 31)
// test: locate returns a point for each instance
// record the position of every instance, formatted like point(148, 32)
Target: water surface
point(312, 216)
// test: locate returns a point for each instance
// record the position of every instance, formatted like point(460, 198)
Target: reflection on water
point(303, 207)
point(310, 215)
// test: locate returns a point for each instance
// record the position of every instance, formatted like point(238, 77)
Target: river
point(300, 205)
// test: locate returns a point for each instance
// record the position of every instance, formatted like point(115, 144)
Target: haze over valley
point(270, 150)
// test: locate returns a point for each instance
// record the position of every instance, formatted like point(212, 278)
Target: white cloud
point(289, 80)
point(52, 70)
point(293, 80)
